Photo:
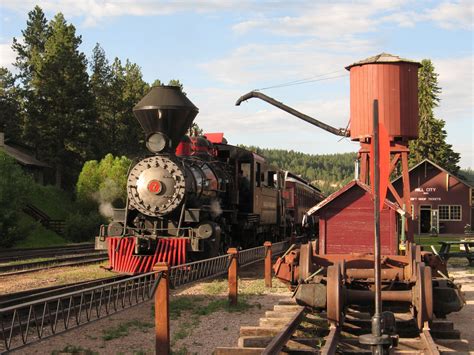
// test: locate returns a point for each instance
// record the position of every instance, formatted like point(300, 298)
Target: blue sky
point(223, 49)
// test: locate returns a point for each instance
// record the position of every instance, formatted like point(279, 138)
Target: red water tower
point(393, 81)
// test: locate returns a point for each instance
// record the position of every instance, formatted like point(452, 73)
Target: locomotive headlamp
point(156, 142)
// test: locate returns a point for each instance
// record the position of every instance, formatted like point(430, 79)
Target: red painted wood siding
point(347, 225)
point(422, 182)
point(396, 87)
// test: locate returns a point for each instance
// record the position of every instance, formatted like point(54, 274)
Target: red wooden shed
point(346, 222)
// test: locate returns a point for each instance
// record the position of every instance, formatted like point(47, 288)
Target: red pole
point(232, 275)
point(268, 264)
point(162, 310)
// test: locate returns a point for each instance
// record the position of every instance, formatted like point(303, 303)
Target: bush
point(82, 227)
point(104, 181)
point(14, 188)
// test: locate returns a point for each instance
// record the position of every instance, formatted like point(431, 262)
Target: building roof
point(22, 157)
point(343, 190)
point(383, 58)
point(439, 168)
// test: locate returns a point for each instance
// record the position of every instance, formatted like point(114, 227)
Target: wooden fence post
point(268, 264)
point(232, 275)
point(162, 310)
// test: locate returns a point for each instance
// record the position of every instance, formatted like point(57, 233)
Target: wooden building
point(38, 169)
point(346, 222)
point(441, 202)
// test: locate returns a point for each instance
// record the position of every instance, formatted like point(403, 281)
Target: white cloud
point(7, 56)
point(456, 81)
point(260, 64)
point(453, 14)
point(95, 11)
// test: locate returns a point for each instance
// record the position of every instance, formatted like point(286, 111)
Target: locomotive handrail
point(337, 131)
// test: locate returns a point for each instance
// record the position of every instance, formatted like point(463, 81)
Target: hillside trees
point(431, 143)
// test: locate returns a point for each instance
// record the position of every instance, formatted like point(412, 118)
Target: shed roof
point(22, 157)
point(383, 58)
point(439, 168)
point(343, 190)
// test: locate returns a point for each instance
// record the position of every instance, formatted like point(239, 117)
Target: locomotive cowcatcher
point(193, 197)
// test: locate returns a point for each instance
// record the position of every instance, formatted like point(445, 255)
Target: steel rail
point(279, 341)
point(54, 262)
point(32, 321)
point(430, 347)
point(7, 255)
point(331, 341)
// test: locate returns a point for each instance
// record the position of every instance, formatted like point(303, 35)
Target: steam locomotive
point(193, 197)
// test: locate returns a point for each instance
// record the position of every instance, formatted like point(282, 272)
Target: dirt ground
point(464, 319)
point(201, 321)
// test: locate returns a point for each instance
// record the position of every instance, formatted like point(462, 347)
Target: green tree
point(29, 56)
point(431, 143)
point(105, 181)
point(14, 189)
point(9, 105)
point(58, 102)
point(104, 101)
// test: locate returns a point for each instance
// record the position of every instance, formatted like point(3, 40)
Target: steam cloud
point(216, 209)
point(108, 192)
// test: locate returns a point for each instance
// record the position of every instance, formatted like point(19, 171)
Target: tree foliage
point(431, 143)
point(56, 93)
point(10, 119)
point(104, 181)
point(14, 189)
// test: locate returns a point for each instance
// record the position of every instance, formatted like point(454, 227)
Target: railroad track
point(11, 255)
point(292, 329)
point(78, 260)
point(40, 317)
point(12, 299)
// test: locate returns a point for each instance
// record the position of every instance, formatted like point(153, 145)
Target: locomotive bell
point(165, 114)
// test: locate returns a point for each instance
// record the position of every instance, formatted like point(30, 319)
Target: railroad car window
point(271, 179)
point(258, 175)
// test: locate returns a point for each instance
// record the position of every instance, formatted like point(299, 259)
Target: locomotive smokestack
point(165, 114)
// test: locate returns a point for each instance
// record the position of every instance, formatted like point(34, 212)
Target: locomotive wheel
point(335, 304)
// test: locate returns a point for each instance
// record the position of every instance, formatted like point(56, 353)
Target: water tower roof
point(383, 58)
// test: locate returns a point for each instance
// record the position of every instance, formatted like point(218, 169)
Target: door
point(425, 219)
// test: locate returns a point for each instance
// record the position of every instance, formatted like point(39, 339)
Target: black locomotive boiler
point(193, 197)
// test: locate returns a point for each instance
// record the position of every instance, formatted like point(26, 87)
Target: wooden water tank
point(394, 82)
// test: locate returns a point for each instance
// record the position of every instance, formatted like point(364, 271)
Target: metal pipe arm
point(337, 131)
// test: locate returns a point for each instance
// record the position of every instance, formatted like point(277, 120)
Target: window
point(449, 212)
point(258, 175)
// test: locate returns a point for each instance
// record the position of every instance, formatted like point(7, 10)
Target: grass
point(76, 350)
point(123, 329)
point(37, 236)
point(26, 261)
point(246, 287)
point(192, 308)
point(427, 241)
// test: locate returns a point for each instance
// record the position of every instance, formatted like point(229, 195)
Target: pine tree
point(62, 86)
point(29, 55)
point(101, 87)
point(431, 143)
point(9, 105)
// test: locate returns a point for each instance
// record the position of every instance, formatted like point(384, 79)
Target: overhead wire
point(306, 80)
